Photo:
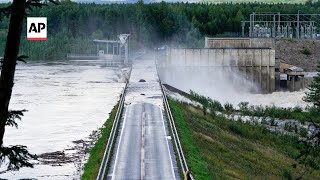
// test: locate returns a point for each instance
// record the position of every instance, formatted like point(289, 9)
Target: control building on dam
point(238, 59)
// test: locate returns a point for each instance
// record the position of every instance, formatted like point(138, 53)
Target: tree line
point(72, 26)
point(67, 30)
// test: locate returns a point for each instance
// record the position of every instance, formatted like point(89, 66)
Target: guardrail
point(111, 140)
point(175, 135)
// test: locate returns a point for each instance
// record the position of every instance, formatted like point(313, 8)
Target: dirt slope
point(295, 52)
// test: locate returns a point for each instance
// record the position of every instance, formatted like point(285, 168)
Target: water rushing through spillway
point(65, 103)
point(227, 86)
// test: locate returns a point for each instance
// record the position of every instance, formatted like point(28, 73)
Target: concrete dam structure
point(237, 64)
point(239, 42)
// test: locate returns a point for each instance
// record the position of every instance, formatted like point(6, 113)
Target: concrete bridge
point(143, 147)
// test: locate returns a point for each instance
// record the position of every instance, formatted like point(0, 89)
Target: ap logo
point(37, 28)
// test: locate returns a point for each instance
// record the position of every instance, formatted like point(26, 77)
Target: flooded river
point(66, 102)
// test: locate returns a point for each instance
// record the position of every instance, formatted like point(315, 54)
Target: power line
point(275, 24)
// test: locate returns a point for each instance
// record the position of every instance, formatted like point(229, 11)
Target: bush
point(310, 114)
point(273, 122)
point(287, 175)
point(204, 109)
point(237, 129)
point(297, 109)
point(306, 51)
point(303, 132)
point(206, 102)
point(216, 105)
point(288, 127)
point(199, 98)
point(258, 110)
point(244, 108)
point(228, 108)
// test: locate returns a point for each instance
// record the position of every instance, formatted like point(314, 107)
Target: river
point(66, 102)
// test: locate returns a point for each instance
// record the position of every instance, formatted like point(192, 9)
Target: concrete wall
point(239, 42)
point(110, 57)
point(256, 65)
point(220, 57)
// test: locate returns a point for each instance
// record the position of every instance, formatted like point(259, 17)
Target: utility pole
point(298, 23)
point(242, 24)
point(250, 29)
point(279, 33)
point(253, 16)
point(274, 27)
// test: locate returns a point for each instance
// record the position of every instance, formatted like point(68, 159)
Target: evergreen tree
point(14, 156)
point(310, 150)
point(314, 95)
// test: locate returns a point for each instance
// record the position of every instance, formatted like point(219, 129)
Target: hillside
point(216, 148)
point(301, 53)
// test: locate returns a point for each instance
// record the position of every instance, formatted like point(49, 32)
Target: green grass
point(216, 148)
point(256, 1)
point(191, 151)
point(91, 168)
point(297, 113)
point(311, 114)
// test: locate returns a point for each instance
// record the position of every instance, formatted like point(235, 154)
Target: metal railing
point(175, 135)
point(112, 137)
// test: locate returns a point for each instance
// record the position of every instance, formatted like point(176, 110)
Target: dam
point(235, 59)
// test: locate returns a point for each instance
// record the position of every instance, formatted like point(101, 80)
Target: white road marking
point(116, 160)
point(142, 170)
point(164, 130)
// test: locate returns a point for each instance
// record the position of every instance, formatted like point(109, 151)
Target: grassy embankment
point(216, 148)
point(297, 113)
point(91, 168)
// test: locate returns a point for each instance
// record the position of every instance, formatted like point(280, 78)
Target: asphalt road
point(143, 149)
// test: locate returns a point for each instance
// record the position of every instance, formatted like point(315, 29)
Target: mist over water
point(216, 82)
point(227, 85)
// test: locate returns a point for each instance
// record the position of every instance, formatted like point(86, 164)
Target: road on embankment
point(143, 148)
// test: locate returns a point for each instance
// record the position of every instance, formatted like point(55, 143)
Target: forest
point(72, 26)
